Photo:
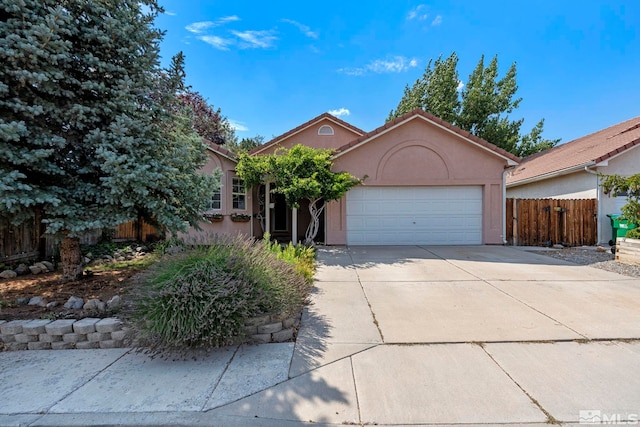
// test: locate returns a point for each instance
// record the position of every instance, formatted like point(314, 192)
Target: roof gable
point(574, 155)
point(430, 118)
point(220, 150)
point(322, 117)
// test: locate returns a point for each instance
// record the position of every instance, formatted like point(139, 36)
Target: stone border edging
point(89, 333)
point(271, 328)
point(63, 334)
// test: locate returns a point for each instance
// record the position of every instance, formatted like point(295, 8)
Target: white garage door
point(414, 216)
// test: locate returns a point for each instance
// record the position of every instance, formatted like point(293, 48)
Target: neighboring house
point(570, 170)
point(425, 182)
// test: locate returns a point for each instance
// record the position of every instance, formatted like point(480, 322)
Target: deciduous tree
point(208, 122)
point(482, 107)
point(301, 173)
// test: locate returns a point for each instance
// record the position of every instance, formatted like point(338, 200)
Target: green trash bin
point(619, 227)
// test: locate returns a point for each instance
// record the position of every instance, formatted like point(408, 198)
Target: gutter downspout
point(598, 202)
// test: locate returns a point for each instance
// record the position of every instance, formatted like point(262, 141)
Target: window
point(216, 200)
point(325, 130)
point(238, 194)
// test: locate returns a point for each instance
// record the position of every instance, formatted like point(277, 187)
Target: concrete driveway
point(473, 335)
point(394, 336)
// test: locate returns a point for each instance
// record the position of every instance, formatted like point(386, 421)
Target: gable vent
point(325, 130)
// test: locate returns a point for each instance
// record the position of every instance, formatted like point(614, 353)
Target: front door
point(280, 217)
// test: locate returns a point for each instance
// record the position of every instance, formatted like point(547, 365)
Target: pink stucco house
point(426, 182)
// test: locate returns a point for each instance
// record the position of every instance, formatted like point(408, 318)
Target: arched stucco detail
point(413, 159)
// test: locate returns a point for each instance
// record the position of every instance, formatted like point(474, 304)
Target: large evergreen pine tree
point(482, 107)
point(88, 127)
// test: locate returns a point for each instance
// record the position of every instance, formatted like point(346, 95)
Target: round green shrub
point(202, 298)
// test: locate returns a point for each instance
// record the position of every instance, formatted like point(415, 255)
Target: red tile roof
point(430, 117)
point(221, 150)
point(303, 127)
point(587, 150)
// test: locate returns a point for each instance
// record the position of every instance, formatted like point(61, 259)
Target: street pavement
point(475, 335)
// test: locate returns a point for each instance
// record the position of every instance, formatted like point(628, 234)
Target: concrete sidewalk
point(395, 336)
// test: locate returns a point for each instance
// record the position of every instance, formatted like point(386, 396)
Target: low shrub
point(634, 233)
point(202, 298)
point(300, 256)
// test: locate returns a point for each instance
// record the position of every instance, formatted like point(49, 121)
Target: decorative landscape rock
point(21, 270)
point(74, 303)
point(114, 302)
point(52, 304)
point(34, 269)
point(22, 300)
point(95, 305)
point(48, 265)
point(36, 301)
point(8, 274)
point(42, 266)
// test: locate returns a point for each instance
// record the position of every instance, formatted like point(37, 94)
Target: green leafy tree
point(246, 144)
point(436, 91)
point(88, 122)
point(301, 173)
point(629, 185)
point(482, 107)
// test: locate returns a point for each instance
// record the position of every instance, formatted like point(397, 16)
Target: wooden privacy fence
point(27, 240)
point(546, 222)
point(136, 230)
point(21, 241)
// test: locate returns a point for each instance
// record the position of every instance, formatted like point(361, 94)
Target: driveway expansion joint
point(550, 418)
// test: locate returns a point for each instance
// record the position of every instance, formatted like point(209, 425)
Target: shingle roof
point(304, 126)
point(221, 150)
point(438, 121)
point(587, 150)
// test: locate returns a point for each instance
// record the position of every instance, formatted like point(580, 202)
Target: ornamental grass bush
point(202, 297)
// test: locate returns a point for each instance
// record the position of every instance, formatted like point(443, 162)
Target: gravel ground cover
point(594, 258)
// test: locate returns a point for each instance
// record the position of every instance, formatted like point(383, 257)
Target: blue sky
point(272, 65)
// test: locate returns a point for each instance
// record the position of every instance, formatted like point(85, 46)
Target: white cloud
point(256, 39)
point(238, 126)
point(460, 86)
point(417, 13)
point(217, 42)
point(199, 27)
point(340, 112)
point(437, 20)
point(306, 30)
point(170, 13)
point(396, 64)
point(352, 71)
point(225, 19)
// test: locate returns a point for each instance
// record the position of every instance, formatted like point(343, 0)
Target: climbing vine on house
point(300, 173)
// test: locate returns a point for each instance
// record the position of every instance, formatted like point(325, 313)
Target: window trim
point(235, 181)
point(330, 131)
point(212, 199)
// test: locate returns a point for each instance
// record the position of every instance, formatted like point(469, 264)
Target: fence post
point(515, 222)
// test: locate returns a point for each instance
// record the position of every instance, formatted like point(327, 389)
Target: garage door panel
point(414, 215)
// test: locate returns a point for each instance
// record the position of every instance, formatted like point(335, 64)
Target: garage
point(414, 215)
